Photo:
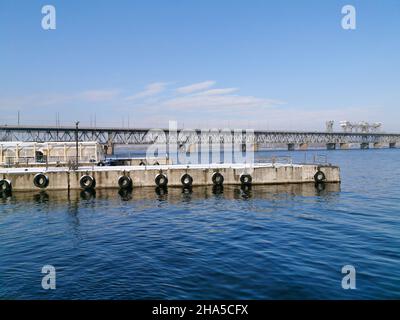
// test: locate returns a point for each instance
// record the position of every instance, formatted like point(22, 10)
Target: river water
point(270, 242)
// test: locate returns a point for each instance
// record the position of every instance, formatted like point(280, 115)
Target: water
point(272, 242)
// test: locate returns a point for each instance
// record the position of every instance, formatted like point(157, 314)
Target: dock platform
point(124, 177)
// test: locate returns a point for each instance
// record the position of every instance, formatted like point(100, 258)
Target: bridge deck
point(109, 135)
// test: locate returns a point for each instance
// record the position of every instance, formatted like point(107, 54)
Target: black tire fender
point(161, 180)
point(246, 179)
point(87, 182)
point(217, 179)
point(40, 180)
point(5, 185)
point(125, 182)
point(186, 180)
point(319, 177)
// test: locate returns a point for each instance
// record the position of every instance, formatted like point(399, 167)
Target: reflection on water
point(41, 197)
point(85, 194)
point(176, 194)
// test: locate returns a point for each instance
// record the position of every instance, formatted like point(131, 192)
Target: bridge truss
point(149, 136)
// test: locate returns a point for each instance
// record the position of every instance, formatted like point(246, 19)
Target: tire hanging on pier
point(87, 182)
point(217, 179)
point(5, 185)
point(187, 180)
point(161, 180)
point(246, 179)
point(319, 177)
point(125, 182)
point(40, 180)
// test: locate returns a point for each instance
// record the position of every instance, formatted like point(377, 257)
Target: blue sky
point(261, 64)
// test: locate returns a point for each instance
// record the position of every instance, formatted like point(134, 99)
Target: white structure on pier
point(53, 153)
point(363, 127)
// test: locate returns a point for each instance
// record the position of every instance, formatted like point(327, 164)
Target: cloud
point(196, 98)
point(217, 91)
point(151, 90)
point(195, 87)
point(213, 101)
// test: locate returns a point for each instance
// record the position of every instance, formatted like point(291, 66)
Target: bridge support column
point(331, 146)
point(109, 149)
point(364, 145)
point(303, 146)
point(290, 146)
point(392, 145)
point(193, 147)
point(251, 147)
point(344, 146)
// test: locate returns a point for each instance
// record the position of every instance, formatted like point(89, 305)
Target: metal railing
point(276, 159)
point(53, 160)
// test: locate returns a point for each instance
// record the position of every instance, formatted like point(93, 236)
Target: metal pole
point(77, 142)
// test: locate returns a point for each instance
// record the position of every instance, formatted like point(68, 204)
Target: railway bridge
point(109, 136)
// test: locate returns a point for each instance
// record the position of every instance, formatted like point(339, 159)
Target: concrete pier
point(291, 146)
point(109, 149)
point(27, 179)
point(331, 146)
point(303, 146)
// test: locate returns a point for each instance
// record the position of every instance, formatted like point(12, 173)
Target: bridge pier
point(377, 145)
point(250, 147)
point(344, 146)
point(364, 145)
point(193, 147)
point(291, 146)
point(392, 145)
point(109, 149)
point(303, 146)
point(331, 146)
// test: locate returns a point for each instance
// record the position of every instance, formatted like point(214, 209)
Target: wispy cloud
point(217, 91)
point(215, 102)
point(151, 90)
point(160, 100)
point(196, 87)
point(197, 97)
